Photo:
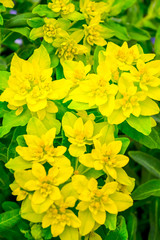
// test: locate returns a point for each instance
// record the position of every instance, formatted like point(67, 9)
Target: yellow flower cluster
point(60, 31)
point(124, 87)
point(30, 83)
point(52, 184)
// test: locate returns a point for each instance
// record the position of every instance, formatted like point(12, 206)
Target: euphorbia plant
point(75, 102)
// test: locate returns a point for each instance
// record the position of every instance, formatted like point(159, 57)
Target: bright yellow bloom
point(126, 56)
point(44, 187)
point(75, 71)
point(91, 9)
point(79, 133)
point(51, 29)
point(97, 92)
point(69, 49)
point(31, 83)
point(41, 149)
point(105, 157)
point(96, 33)
point(147, 75)
point(130, 101)
point(63, 7)
point(94, 202)
point(61, 218)
point(7, 3)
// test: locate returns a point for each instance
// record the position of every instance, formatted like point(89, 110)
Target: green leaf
point(3, 109)
point(125, 143)
point(11, 151)
point(9, 219)
point(36, 127)
point(132, 226)
point(149, 162)
point(12, 120)
point(151, 141)
point(8, 205)
point(141, 124)
point(35, 22)
point(96, 53)
point(119, 31)
point(59, 72)
point(43, 10)
point(1, 20)
point(137, 33)
point(4, 177)
point(25, 31)
point(4, 76)
point(150, 188)
point(157, 42)
point(154, 232)
point(120, 233)
point(19, 21)
point(111, 221)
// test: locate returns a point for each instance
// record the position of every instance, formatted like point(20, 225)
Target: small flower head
point(63, 7)
point(105, 157)
point(41, 149)
point(79, 133)
point(59, 216)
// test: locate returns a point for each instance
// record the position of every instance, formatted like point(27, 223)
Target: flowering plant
point(79, 87)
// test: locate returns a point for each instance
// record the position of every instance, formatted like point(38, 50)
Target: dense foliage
point(79, 108)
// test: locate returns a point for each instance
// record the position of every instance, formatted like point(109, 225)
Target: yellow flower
point(41, 149)
point(7, 3)
point(147, 75)
point(130, 101)
point(44, 187)
point(122, 58)
point(51, 29)
point(94, 202)
point(105, 157)
point(91, 9)
point(61, 218)
point(63, 7)
point(31, 83)
point(96, 33)
point(79, 133)
point(97, 92)
point(68, 48)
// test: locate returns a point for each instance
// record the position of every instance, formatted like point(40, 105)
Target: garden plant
point(80, 121)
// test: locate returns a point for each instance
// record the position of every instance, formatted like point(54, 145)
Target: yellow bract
point(63, 7)
point(96, 91)
point(59, 216)
point(31, 83)
point(44, 187)
point(105, 157)
point(7, 3)
point(79, 133)
point(41, 149)
point(94, 202)
point(91, 9)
